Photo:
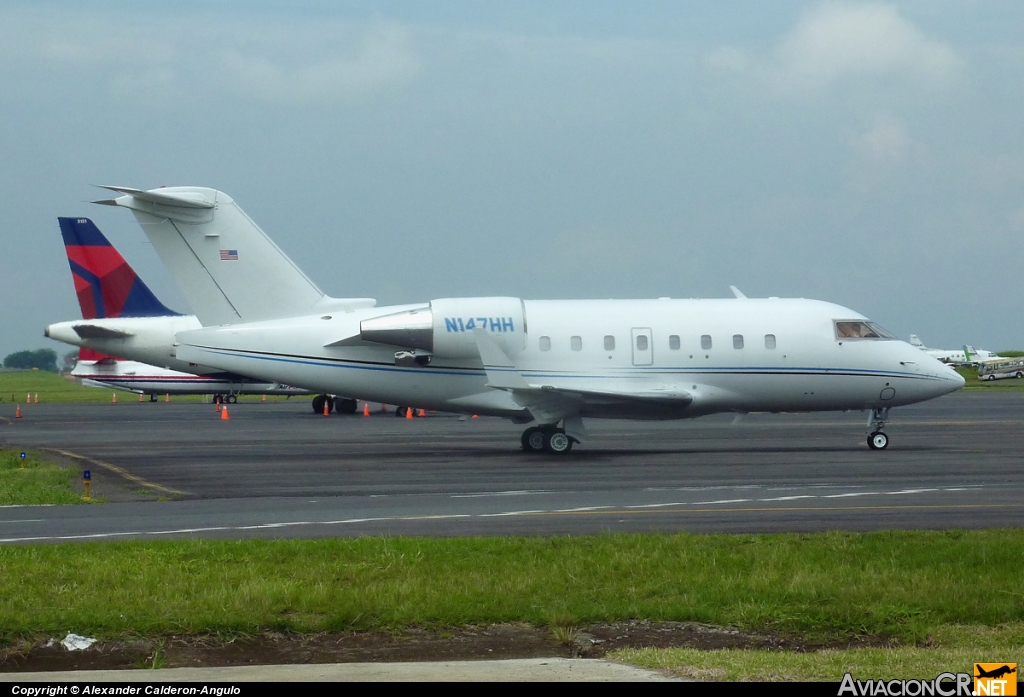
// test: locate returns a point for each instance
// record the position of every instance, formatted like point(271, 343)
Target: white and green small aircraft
point(968, 355)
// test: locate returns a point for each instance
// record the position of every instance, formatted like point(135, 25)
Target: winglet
point(501, 371)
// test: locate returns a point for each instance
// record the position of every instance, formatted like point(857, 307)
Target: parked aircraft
point(967, 355)
point(122, 317)
point(550, 362)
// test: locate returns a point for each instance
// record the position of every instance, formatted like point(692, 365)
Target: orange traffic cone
point(219, 406)
point(224, 414)
point(37, 398)
point(140, 396)
point(167, 397)
point(366, 409)
point(17, 412)
point(327, 407)
point(264, 398)
point(28, 398)
point(383, 408)
point(113, 399)
point(408, 412)
point(422, 412)
point(475, 416)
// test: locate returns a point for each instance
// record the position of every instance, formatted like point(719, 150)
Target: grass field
point(906, 585)
point(953, 649)
point(38, 482)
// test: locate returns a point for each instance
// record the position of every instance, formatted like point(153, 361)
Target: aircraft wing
point(552, 403)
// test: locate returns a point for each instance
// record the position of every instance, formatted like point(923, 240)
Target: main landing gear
point(877, 440)
point(549, 439)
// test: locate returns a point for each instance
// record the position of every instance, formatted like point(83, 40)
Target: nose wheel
point(547, 439)
point(877, 440)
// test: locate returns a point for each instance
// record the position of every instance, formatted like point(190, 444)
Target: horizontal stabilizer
point(92, 331)
point(178, 199)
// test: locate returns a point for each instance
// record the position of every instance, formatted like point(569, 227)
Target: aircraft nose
point(951, 380)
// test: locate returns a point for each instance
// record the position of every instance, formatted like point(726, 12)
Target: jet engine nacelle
point(444, 328)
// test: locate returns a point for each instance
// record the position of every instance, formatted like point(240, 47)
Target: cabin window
point(545, 343)
point(858, 329)
point(641, 342)
point(705, 341)
point(737, 341)
point(769, 341)
point(673, 342)
point(609, 343)
point(576, 343)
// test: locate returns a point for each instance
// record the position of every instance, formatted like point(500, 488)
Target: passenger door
point(643, 351)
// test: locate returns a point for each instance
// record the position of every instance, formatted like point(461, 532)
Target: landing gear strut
point(877, 440)
point(549, 439)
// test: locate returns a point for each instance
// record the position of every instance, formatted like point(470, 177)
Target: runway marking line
point(119, 471)
point(413, 519)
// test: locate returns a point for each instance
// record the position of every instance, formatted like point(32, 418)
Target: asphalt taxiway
point(278, 470)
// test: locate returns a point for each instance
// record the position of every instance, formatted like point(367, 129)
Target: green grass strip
point(954, 648)
point(903, 585)
point(38, 482)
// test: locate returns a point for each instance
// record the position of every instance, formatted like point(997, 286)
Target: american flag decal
point(229, 255)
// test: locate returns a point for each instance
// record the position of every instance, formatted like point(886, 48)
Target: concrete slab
point(515, 670)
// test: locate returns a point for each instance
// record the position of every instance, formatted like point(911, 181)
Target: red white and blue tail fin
point(105, 284)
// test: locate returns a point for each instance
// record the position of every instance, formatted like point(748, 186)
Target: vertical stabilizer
point(914, 341)
point(105, 284)
point(226, 266)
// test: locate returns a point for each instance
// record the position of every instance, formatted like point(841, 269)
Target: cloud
point(380, 59)
point(266, 58)
point(838, 41)
point(886, 144)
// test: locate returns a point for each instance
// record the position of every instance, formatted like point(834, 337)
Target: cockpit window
point(857, 329)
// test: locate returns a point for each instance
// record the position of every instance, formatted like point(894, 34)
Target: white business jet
point(965, 356)
point(549, 362)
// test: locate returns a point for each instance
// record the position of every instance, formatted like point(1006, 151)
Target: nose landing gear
point(877, 440)
point(549, 439)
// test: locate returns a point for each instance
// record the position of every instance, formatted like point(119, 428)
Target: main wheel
point(878, 441)
point(318, 404)
point(557, 442)
point(342, 405)
point(533, 439)
point(231, 399)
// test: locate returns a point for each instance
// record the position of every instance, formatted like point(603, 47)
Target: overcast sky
point(866, 153)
